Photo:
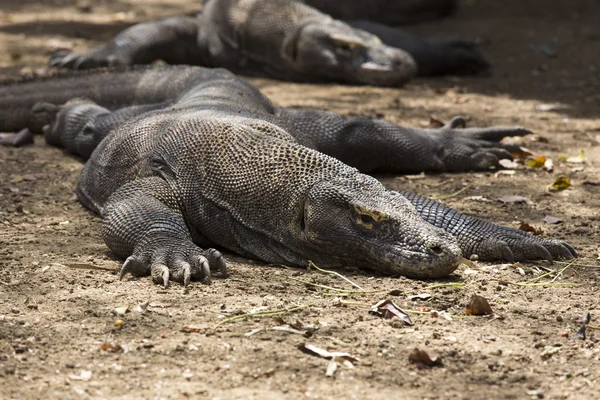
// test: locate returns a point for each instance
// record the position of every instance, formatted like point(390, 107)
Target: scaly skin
point(282, 39)
point(201, 158)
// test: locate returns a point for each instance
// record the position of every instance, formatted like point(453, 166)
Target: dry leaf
point(528, 228)
point(83, 376)
point(142, 307)
point(578, 159)
point(537, 162)
point(434, 122)
point(110, 347)
point(120, 311)
point(561, 183)
point(386, 309)
point(552, 220)
point(317, 351)
point(17, 179)
point(508, 164)
point(478, 305)
point(512, 199)
point(423, 360)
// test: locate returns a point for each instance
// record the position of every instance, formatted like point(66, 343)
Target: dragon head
point(357, 222)
point(334, 51)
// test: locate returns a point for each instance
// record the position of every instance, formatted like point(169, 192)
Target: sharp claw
point(187, 274)
point(78, 62)
point(570, 248)
point(543, 252)
point(457, 122)
point(165, 277)
point(204, 269)
point(127, 266)
point(160, 272)
point(507, 253)
point(64, 61)
point(512, 148)
point(222, 266)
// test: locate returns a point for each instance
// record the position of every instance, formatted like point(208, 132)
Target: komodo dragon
point(282, 39)
point(202, 158)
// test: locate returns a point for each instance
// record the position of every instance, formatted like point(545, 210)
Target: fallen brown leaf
point(110, 347)
point(478, 305)
point(386, 309)
point(528, 228)
point(422, 359)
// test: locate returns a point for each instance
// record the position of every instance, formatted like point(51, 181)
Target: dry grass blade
point(343, 291)
point(442, 285)
point(558, 272)
point(449, 196)
point(262, 314)
point(312, 265)
point(574, 264)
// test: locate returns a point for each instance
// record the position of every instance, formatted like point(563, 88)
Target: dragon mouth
point(434, 262)
point(372, 66)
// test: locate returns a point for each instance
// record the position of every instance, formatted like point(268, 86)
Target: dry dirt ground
point(58, 337)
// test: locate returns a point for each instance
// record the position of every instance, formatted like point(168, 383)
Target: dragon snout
point(389, 67)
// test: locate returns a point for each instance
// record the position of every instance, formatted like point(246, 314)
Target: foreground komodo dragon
point(204, 159)
point(282, 39)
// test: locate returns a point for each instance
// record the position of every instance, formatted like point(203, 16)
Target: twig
point(262, 314)
point(312, 265)
point(448, 196)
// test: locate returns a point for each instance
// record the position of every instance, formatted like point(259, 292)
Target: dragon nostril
point(437, 250)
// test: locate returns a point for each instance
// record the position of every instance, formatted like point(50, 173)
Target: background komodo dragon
point(208, 160)
point(287, 40)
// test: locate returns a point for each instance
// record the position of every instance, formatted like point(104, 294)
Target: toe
point(456, 122)
point(160, 274)
point(203, 268)
point(216, 261)
point(531, 251)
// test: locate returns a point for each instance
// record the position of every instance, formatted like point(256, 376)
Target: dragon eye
point(344, 45)
point(366, 219)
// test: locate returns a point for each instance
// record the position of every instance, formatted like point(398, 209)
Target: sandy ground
point(60, 295)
